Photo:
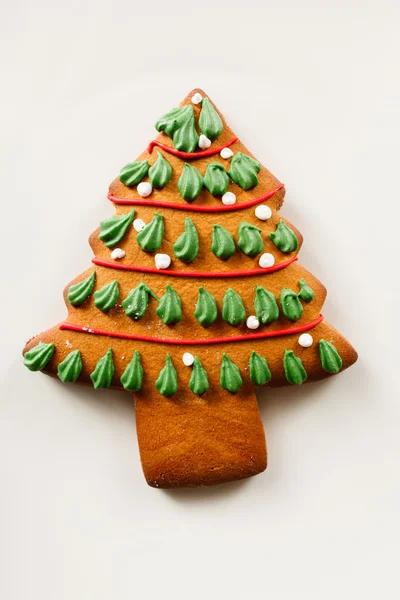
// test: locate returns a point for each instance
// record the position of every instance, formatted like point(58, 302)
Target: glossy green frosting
point(167, 382)
point(160, 173)
point(284, 238)
point(294, 370)
point(37, 358)
point(233, 311)
point(250, 240)
point(179, 124)
point(222, 244)
point(258, 369)
point(186, 246)
point(70, 368)
point(291, 305)
point(106, 297)
point(79, 292)
point(306, 293)
point(113, 229)
point(104, 371)
point(243, 170)
point(216, 179)
point(132, 173)
point(151, 236)
point(132, 377)
point(190, 182)
point(136, 302)
point(265, 305)
point(206, 310)
point(230, 378)
point(170, 308)
point(210, 122)
point(330, 357)
point(199, 379)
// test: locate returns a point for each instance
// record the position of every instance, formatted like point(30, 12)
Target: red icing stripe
point(243, 273)
point(194, 208)
point(190, 155)
point(200, 342)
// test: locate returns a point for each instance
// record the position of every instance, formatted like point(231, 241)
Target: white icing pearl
point(197, 98)
point(305, 340)
point(117, 253)
point(188, 359)
point(144, 189)
point(263, 212)
point(226, 153)
point(204, 142)
point(228, 198)
point(138, 224)
point(266, 260)
point(252, 322)
point(162, 261)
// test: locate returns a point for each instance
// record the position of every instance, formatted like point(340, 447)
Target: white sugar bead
point(188, 359)
point(252, 322)
point(162, 261)
point(266, 260)
point(204, 142)
point(197, 98)
point(138, 224)
point(228, 198)
point(144, 189)
point(226, 153)
point(305, 340)
point(117, 253)
point(263, 212)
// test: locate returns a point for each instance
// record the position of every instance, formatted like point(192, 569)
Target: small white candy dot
point(263, 212)
point(117, 253)
point(188, 359)
point(204, 142)
point(226, 153)
point(144, 189)
point(197, 98)
point(252, 322)
point(228, 198)
point(138, 224)
point(266, 260)
point(162, 261)
point(305, 340)
point(68, 344)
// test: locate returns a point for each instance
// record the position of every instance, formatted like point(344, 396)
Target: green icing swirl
point(132, 377)
point(37, 358)
point(171, 121)
point(206, 310)
point(113, 229)
point(180, 125)
point(233, 311)
point(160, 173)
point(170, 307)
point(330, 357)
point(136, 302)
point(199, 379)
point(306, 293)
point(291, 305)
point(133, 172)
point(70, 368)
point(186, 246)
point(294, 370)
point(79, 292)
point(190, 182)
point(230, 378)
point(167, 382)
point(106, 297)
point(259, 370)
point(216, 179)
point(222, 244)
point(284, 238)
point(265, 305)
point(210, 122)
point(151, 236)
point(250, 240)
point(243, 170)
point(104, 371)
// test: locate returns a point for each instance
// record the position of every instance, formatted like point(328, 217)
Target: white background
point(312, 87)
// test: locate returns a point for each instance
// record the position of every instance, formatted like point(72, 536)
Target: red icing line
point(200, 342)
point(115, 265)
point(189, 207)
point(190, 155)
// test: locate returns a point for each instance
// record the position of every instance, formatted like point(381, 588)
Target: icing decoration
point(250, 241)
point(106, 298)
point(186, 246)
point(188, 359)
point(151, 236)
point(190, 155)
point(79, 292)
point(206, 310)
point(209, 121)
point(284, 238)
point(103, 372)
point(136, 302)
point(197, 98)
point(199, 379)
point(117, 253)
point(233, 311)
point(138, 224)
point(132, 377)
point(306, 293)
point(216, 179)
point(160, 173)
point(170, 307)
point(113, 229)
point(190, 182)
point(252, 322)
point(230, 378)
point(226, 153)
point(305, 340)
point(222, 245)
point(294, 370)
point(330, 357)
point(167, 382)
point(266, 260)
point(179, 125)
point(291, 305)
point(265, 305)
point(132, 173)
point(162, 261)
point(70, 368)
point(144, 189)
point(228, 199)
point(243, 171)
point(37, 358)
point(263, 212)
point(204, 142)
point(258, 369)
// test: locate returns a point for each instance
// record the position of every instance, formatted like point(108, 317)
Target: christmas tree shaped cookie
point(195, 297)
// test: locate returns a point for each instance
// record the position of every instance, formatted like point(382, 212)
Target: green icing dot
point(216, 179)
point(160, 173)
point(259, 370)
point(250, 240)
point(210, 122)
point(79, 292)
point(186, 246)
point(306, 293)
point(70, 368)
point(151, 236)
point(243, 170)
point(206, 310)
point(222, 244)
point(37, 358)
point(113, 229)
point(167, 382)
point(180, 125)
point(265, 305)
point(291, 305)
point(199, 379)
point(132, 377)
point(230, 378)
point(330, 357)
point(284, 238)
point(136, 302)
point(233, 311)
point(103, 372)
point(170, 307)
point(106, 297)
point(190, 182)
point(133, 172)
point(294, 370)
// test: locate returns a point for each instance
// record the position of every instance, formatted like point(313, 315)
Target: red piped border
point(190, 155)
